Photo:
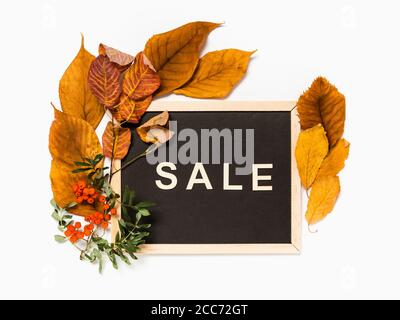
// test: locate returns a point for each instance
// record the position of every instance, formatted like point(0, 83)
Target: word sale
point(199, 176)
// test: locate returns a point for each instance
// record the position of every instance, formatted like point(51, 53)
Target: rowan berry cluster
point(97, 219)
point(84, 193)
point(74, 232)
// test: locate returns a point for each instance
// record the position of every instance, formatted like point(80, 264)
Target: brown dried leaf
point(154, 130)
point(76, 98)
point(324, 194)
point(311, 149)
point(122, 59)
point(217, 73)
point(334, 162)
point(175, 54)
point(116, 141)
point(323, 103)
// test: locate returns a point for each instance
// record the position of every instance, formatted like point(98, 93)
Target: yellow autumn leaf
point(334, 162)
point(323, 103)
point(324, 194)
point(175, 54)
point(71, 139)
point(75, 96)
point(217, 73)
point(61, 184)
point(311, 149)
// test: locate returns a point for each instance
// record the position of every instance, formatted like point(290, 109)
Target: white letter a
point(198, 167)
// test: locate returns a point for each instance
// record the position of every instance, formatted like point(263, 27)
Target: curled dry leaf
point(76, 98)
point(104, 81)
point(71, 139)
point(116, 141)
point(132, 110)
point(311, 149)
point(175, 54)
point(217, 73)
point(335, 160)
point(154, 130)
point(140, 80)
point(323, 103)
point(122, 59)
point(324, 194)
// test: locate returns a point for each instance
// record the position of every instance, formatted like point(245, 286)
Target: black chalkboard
point(217, 216)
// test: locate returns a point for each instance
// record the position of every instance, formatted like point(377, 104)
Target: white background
point(355, 44)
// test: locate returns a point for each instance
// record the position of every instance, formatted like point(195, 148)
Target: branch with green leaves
point(90, 240)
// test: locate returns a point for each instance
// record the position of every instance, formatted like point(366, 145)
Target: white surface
point(355, 44)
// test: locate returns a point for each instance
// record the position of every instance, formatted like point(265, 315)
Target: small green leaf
point(98, 158)
point(145, 204)
point(131, 197)
point(130, 225)
point(144, 226)
point(55, 216)
point(91, 257)
point(67, 224)
point(122, 223)
point(60, 239)
point(144, 212)
point(100, 265)
point(72, 204)
point(99, 257)
point(82, 164)
point(125, 196)
point(124, 258)
point(113, 259)
point(92, 162)
point(80, 170)
point(54, 204)
point(125, 214)
point(118, 236)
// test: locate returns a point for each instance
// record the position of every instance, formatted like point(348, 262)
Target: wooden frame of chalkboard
point(226, 248)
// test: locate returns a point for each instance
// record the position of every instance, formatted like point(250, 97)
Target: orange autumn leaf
point(140, 79)
point(323, 196)
point(132, 110)
point(154, 130)
point(115, 112)
point(122, 59)
point(116, 141)
point(175, 54)
point(71, 139)
point(104, 81)
point(217, 73)
point(323, 103)
point(76, 98)
point(335, 160)
point(62, 181)
point(311, 149)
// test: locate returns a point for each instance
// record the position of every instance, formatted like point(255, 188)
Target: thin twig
point(147, 151)
point(112, 153)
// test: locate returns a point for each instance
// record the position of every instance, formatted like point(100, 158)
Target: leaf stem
point(146, 152)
